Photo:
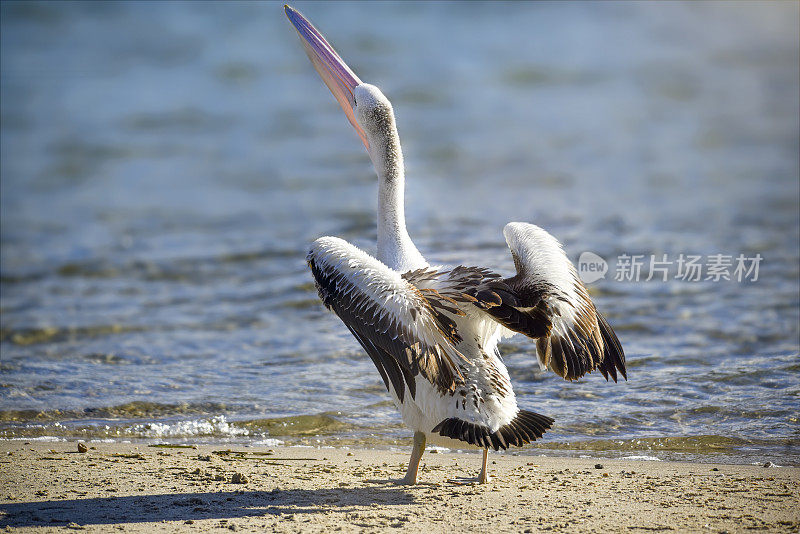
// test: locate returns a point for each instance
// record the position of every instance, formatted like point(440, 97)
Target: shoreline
point(637, 449)
point(50, 486)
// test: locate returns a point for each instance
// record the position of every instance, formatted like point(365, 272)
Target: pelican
point(433, 332)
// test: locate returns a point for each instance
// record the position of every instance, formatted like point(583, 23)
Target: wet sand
point(115, 486)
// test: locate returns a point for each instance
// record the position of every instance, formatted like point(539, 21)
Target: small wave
point(129, 410)
point(301, 425)
point(695, 444)
point(45, 439)
point(215, 427)
point(269, 442)
point(157, 421)
point(641, 457)
point(53, 334)
point(300, 304)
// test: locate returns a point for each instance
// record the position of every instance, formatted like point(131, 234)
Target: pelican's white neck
point(375, 114)
point(395, 247)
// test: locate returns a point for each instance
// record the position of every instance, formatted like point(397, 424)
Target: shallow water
point(165, 167)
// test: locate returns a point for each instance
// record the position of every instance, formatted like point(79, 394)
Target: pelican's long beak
point(334, 72)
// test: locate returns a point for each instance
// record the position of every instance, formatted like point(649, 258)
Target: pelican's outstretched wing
point(402, 328)
point(546, 301)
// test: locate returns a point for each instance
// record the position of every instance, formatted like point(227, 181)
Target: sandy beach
point(140, 488)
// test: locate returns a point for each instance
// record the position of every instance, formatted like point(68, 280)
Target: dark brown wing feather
point(572, 340)
point(523, 312)
point(391, 338)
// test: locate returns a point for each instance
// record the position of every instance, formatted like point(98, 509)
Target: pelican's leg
point(483, 478)
point(416, 456)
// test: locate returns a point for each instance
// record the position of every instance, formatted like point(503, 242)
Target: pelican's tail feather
point(523, 429)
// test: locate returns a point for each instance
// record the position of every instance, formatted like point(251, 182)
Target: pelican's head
point(368, 110)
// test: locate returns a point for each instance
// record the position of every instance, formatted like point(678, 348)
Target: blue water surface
point(166, 165)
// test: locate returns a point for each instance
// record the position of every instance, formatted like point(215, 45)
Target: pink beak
point(334, 72)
